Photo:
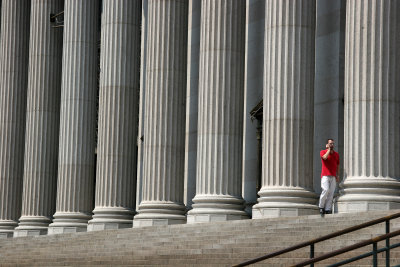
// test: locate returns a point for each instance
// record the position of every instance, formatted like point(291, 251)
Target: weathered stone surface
point(211, 244)
point(14, 49)
point(118, 115)
point(164, 115)
point(372, 107)
point(220, 113)
point(42, 120)
point(288, 117)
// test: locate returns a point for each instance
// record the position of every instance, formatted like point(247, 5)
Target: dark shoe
point(328, 212)
point(322, 212)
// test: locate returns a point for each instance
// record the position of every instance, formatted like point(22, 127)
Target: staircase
point(208, 244)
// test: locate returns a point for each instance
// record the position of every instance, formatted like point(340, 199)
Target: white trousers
point(328, 185)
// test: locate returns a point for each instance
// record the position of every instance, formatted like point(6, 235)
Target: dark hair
point(327, 140)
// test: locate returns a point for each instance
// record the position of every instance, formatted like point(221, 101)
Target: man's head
point(330, 143)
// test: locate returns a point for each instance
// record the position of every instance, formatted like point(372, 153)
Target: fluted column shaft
point(118, 115)
point(77, 117)
point(14, 48)
point(164, 118)
point(372, 106)
point(220, 114)
point(42, 120)
point(287, 167)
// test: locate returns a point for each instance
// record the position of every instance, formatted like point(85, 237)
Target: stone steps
point(212, 244)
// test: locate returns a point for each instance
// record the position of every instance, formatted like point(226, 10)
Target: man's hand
point(329, 148)
point(324, 157)
point(337, 178)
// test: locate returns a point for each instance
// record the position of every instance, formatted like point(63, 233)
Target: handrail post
point(312, 253)
point(375, 255)
point(387, 244)
point(387, 226)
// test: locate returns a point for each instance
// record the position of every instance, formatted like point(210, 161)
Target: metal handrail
point(322, 238)
point(352, 247)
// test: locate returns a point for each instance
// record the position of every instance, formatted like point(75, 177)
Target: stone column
point(220, 115)
point(42, 120)
point(372, 107)
point(118, 115)
point(287, 171)
point(78, 117)
point(14, 48)
point(164, 121)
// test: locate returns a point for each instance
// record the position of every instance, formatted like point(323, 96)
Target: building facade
point(129, 113)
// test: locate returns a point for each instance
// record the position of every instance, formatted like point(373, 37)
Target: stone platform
point(203, 244)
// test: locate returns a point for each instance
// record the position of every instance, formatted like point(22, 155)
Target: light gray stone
point(118, 115)
point(220, 113)
point(164, 114)
point(287, 171)
point(372, 104)
point(77, 117)
point(14, 49)
point(178, 245)
point(42, 120)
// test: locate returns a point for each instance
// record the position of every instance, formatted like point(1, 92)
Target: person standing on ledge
point(329, 177)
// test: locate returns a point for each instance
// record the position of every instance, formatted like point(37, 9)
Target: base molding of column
point(285, 202)
point(69, 222)
point(110, 218)
point(152, 213)
point(216, 208)
point(7, 228)
point(32, 226)
point(6, 233)
point(359, 194)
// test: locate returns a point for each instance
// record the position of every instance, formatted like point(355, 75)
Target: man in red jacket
point(329, 177)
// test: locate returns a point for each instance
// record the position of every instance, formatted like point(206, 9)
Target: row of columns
point(50, 142)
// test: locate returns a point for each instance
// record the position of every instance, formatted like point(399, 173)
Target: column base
point(69, 222)
point(6, 234)
point(362, 206)
point(285, 202)
point(151, 213)
point(29, 232)
point(216, 208)
point(32, 226)
point(360, 194)
point(7, 228)
point(111, 218)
